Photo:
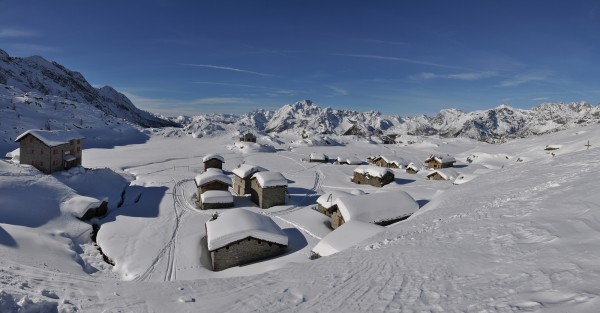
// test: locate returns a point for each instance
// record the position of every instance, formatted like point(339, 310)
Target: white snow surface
point(213, 156)
point(212, 174)
point(270, 179)
point(52, 137)
point(245, 170)
point(374, 171)
point(216, 196)
point(327, 200)
point(238, 224)
point(78, 205)
point(318, 156)
point(346, 236)
point(446, 173)
point(377, 207)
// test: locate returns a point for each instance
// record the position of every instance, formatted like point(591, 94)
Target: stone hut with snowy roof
point(317, 157)
point(50, 150)
point(372, 175)
point(382, 208)
point(326, 202)
point(384, 161)
point(436, 161)
point(216, 199)
point(239, 237)
point(443, 174)
point(242, 175)
point(411, 168)
point(268, 189)
point(248, 137)
point(213, 161)
point(212, 179)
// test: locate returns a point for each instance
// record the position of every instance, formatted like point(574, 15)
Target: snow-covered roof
point(371, 170)
point(440, 159)
point(446, 173)
point(412, 166)
point(270, 179)
point(349, 160)
point(377, 207)
point(79, 205)
point(318, 156)
point(238, 224)
point(246, 170)
point(327, 200)
point(213, 156)
point(346, 236)
point(52, 138)
point(212, 175)
point(216, 196)
point(69, 158)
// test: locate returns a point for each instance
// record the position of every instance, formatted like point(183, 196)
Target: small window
point(41, 152)
point(78, 141)
point(32, 162)
point(32, 152)
point(42, 163)
point(78, 149)
point(30, 139)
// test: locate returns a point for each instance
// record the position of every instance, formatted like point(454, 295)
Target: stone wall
point(325, 210)
point(267, 197)
point(243, 252)
point(213, 163)
point(213, 185)
point(359, 178)
point(213, 206)
point(241, 186)
point(336, 219)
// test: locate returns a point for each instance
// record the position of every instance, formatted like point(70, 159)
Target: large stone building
point(213, 161)
point(372, 175)
point(383, 208)
point(268, 189)
point(50, 150)
point(242, 175)
point(239, 237)
point(436, 161)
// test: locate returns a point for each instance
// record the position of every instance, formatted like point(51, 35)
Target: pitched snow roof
point(245, 170)
point(350, 160)
point(69, 157)
point(213, 156)
point(79, 205)
point(212, 175)
point(238, 224)
point(216, 196)
point(327, 200)
point(318, 156)
point(440, 159)
point(270, 179)
point(371, 170)
point(412, 166)
point(377, 207)
point(446, 173)
point(52, 138)
point(346, 236)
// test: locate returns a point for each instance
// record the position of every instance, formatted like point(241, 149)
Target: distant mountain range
point(493, 125)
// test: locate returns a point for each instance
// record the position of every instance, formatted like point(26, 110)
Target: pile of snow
point(245, 170)
point(327, 200)
point(212, 156)
point(349, 234)
point(246, 147)
point(216, 196)
point(373, 171)
point(79, 205)
point(316, 156)
point(270, 179)
point(377, 207)
point(212, 174)
point(238, 224)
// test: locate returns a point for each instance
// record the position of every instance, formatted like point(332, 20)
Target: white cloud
point(16, 33)
point(227, 68)
point(459, 76)
point(405, 60)
point(520, 79)
point(541, 99)
point(337, 90)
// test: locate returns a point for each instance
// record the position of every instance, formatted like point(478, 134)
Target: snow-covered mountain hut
point(213, 161)
point(348, 160)
point(443, 174)
point(411, 168)
point(436, 161)
point(326, 202)
point(216, 199)
point(385, 161)
point(239, 237)
point(212, 179)
point(242, 175)
point(372, 175)
point(382, 208)
point(317, 157)
point(248, 137)
point(268, 189)
point(50, 150)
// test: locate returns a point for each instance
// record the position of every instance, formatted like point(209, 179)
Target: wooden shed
point(238, 237)
point(213, 161)
point(372, 175)
point(268, 189)
point(50, 150)
point(436, 161)
point(242, 175)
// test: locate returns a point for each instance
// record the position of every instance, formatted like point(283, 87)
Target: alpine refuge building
point(383, 208)
point(372, 175)
point(436, 161)
point(239, 237)
point(268, 189)
point(242, 175)
point(248, 137)
point(213, 161)
point(50, 150)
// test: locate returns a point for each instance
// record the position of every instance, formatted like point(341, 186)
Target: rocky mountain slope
point(36, 74)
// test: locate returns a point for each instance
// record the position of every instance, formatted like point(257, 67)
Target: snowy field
point(517, 232)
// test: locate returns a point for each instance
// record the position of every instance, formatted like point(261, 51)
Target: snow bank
point(238, 224)
point(270, 179)
point(79, 205)
point(216, 196)
point(377, 207)
point(346, 236)
point(315, 156)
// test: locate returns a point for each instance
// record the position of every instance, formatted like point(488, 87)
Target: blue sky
point(396, 57)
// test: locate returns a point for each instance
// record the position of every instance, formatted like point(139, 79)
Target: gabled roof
point(445, 173)
point(440, 159)
point(213, 156)
point(238, 224)
point(371, 170)
point(216, 196)
point(270, 179)
point(52, 138)
point(412, 166)
point(212, 175)
point(349, 234)
point(245, 170)
point(377, 207)
point(327, 200)
point(350, 160)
